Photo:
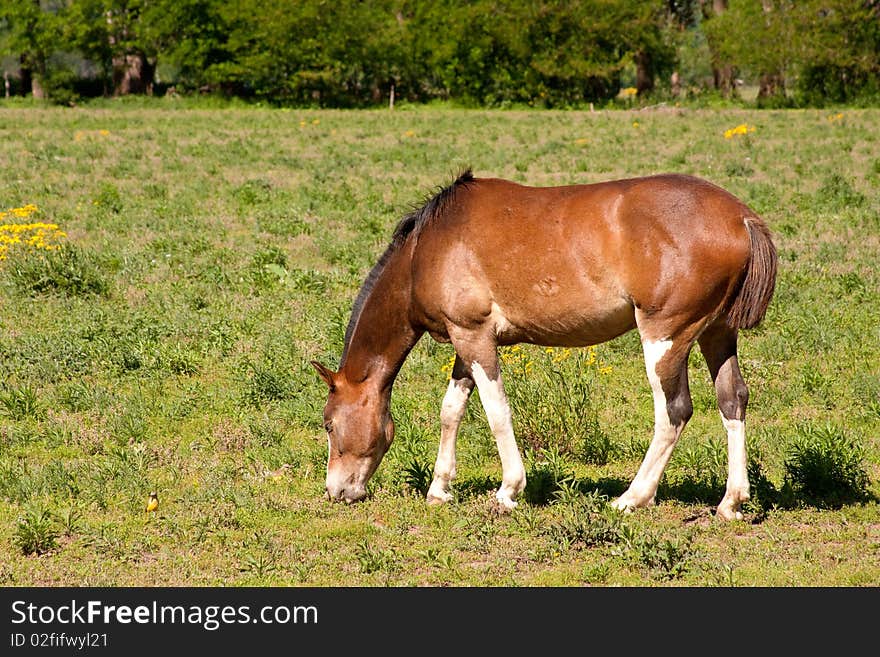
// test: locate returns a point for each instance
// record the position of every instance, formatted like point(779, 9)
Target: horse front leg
point(479, 352)
point(461, 384)
point(494, 399)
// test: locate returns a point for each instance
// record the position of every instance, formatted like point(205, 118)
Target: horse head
point(359, 432)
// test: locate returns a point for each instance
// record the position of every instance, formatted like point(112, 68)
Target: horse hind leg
point(666, 366)
point(718, 345)
point(461, 384)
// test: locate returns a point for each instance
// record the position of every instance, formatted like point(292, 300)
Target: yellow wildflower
point(448, 366)
point(591, 355)
point(24, 211)
point(628, 91)
point(562, 355)
point(79, 135)
point(741, 129)
point(36, 235)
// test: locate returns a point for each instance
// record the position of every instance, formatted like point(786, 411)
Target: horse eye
point(328, 427)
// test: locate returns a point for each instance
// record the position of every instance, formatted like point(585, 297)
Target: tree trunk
point(723, 78)
point(644, 73)
point(26, 76)
point(132, 74)
point(771, 84)
point(37, 89)
point(722, 73)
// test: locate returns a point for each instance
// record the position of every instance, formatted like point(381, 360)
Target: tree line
point(354, 53)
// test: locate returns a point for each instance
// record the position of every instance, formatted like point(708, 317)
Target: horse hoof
point(438, 499)
point(728, 514)
point(620, 505)
point(505, 503)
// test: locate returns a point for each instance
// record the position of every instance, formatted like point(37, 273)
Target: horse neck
point(383, 334)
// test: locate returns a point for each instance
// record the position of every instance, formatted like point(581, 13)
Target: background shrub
point(825, 467)
point(71, 271)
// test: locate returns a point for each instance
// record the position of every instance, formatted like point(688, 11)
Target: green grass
point(211, 253)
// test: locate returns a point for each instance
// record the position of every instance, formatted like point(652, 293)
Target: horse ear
point(326, 374)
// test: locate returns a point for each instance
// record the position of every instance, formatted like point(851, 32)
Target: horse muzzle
point(348, 493)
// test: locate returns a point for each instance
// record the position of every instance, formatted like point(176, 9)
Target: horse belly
point(580, 320)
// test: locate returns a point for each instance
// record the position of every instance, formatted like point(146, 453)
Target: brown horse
point(488, 262)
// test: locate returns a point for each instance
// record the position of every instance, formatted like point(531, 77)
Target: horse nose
point(355, 494)
point(348, 494)
point(335, 493)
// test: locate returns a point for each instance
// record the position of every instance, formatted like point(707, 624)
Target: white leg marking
point(498, 413)
point(643, 488)
point(451, 413)
point(737, 471)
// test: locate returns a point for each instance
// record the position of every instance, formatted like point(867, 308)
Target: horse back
point(571, 264)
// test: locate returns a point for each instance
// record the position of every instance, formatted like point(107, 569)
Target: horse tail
point(756, 289)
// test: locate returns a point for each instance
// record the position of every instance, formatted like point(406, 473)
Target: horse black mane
point(433, 207)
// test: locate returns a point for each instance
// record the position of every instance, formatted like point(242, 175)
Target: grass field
point(158, 338)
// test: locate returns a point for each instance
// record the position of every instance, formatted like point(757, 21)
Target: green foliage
point(371, 559)
point(841, 58)
point(551, 392)
point(552, 53)
point(109, 198)
point(546, 472)
point(837, 193)
point(21, 403)
point(705, 462)
point(59, 84)
point(70, 270)
point(585, 522)
point(31, 31)
point(265, 383)
point(70, 521)
point(268, 266)
point(669, 557)
point(258, 565)
point(351, 53)
point(417, 474)
point(764, 494)
point(825, 467)
point(820, 50)
point(35, 532)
